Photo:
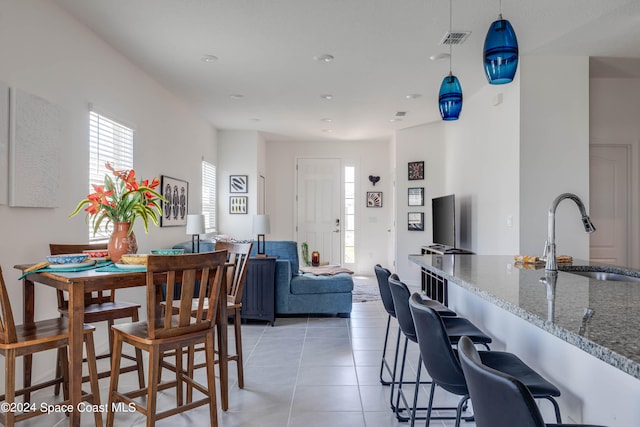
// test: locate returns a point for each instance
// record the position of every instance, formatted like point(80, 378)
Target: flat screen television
point(444, 220)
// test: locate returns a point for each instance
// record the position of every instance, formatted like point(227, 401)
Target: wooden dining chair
point(101, 306)
point(237, 263)
point(27, 339)
point(236, 272)
point(165, 331)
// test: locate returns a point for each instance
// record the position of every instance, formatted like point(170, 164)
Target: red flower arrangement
point(122, 200)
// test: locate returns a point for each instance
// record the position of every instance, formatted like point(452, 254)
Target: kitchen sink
point(606, 275)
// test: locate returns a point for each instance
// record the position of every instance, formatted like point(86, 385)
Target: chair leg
point(211, 379)
point(179, 370)
point(383, 362)
point(395, 367)
point(152, 390)
point(115, 376)
point(556, 408)
point(10, 385)
point(237, 323)
point(56, 388)
point(400, 393)
point(138, 352)
point(415, 394)
point(431, 393)
point(461, 405)
point(93, 376)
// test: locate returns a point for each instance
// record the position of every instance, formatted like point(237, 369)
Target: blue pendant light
point(500, 52)
point(450, 96)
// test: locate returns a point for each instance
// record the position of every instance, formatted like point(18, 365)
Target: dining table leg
point(28, 316)
point(76, 330)
point(223, 366)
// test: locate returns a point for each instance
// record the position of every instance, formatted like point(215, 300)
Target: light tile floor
point(303, 372)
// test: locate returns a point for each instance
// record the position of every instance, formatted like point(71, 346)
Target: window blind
point(209, 196)
point(109, 142)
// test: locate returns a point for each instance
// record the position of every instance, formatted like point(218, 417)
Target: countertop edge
point(596, 350)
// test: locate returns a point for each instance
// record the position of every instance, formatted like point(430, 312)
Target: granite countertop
point(600, 317)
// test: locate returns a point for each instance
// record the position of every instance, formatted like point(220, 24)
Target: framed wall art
point(174, 210)
point(238, 204)
point(416, 170)
point(374, 199)
point(416, 196)
point(415, 221)
point(238, 183)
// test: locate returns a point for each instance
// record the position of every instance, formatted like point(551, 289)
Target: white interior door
point(609, 177)
point(319, 206)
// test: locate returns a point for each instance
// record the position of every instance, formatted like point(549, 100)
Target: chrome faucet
point(550, 245)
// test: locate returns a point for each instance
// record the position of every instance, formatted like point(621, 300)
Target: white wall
point(615, 119)
point(370, 158)
point(554, 150)
point(47, 53)
point(421, 143)
point(482, 165)
point(238, 153)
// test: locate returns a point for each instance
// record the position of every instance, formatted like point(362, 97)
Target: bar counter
point(601, 318)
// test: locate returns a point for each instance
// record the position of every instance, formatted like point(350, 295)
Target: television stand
point(435, 286)
point(443, 250)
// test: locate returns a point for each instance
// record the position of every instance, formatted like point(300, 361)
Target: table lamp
point(261, 226)
point(195, 227)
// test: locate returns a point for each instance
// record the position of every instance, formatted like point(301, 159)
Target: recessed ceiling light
point(236, 96)
point(439, 56)
point(209, 58)
point(327, 130)
point(413, 96)
point(255, 119)
point(395, 120)
point(326, 96)
point(326, 120)
point(325, 57)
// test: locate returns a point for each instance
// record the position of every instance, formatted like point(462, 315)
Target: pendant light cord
point(450, 40)
point(500, 14)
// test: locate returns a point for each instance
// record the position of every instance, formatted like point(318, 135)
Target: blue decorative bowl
point(67, 258)
point(167, 251)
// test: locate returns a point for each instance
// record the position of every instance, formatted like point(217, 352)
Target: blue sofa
point(297, 292)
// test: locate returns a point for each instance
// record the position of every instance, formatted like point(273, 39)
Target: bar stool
point(499, 399)
point(442, 363)
point(382, 276)
point(456, 327)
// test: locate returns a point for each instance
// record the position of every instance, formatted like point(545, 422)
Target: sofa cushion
point(312, 284)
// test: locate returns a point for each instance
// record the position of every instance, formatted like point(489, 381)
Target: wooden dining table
point(76, 284)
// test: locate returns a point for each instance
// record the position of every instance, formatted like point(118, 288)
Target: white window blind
point(209, 196)
point(109, 142)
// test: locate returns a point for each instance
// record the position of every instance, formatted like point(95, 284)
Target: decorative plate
point(86, 263)
point(167, 251)
point(67, 258)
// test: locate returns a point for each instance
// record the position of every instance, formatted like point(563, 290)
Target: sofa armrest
point(283, 282)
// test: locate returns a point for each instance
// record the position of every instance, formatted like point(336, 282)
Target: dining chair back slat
point(7, 325)
point(191, 269)
point(237, 261)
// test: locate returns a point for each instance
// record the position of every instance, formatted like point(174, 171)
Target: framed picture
point(238, 183)
point(174, 210)
point(238, 204)
point(374, 199)
point(416, 171)
point(416, 221)
point(416, 196)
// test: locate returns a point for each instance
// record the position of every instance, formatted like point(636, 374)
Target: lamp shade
point(261, 224)
point(195, 224)
point(500, 53)
point(450, 98)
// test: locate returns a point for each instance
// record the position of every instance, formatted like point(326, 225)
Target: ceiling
point(265, 76)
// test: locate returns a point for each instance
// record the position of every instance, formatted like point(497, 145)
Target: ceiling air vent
point(454, 38)
point(401, 113)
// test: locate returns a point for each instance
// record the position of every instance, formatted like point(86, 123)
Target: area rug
point(365, 288)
